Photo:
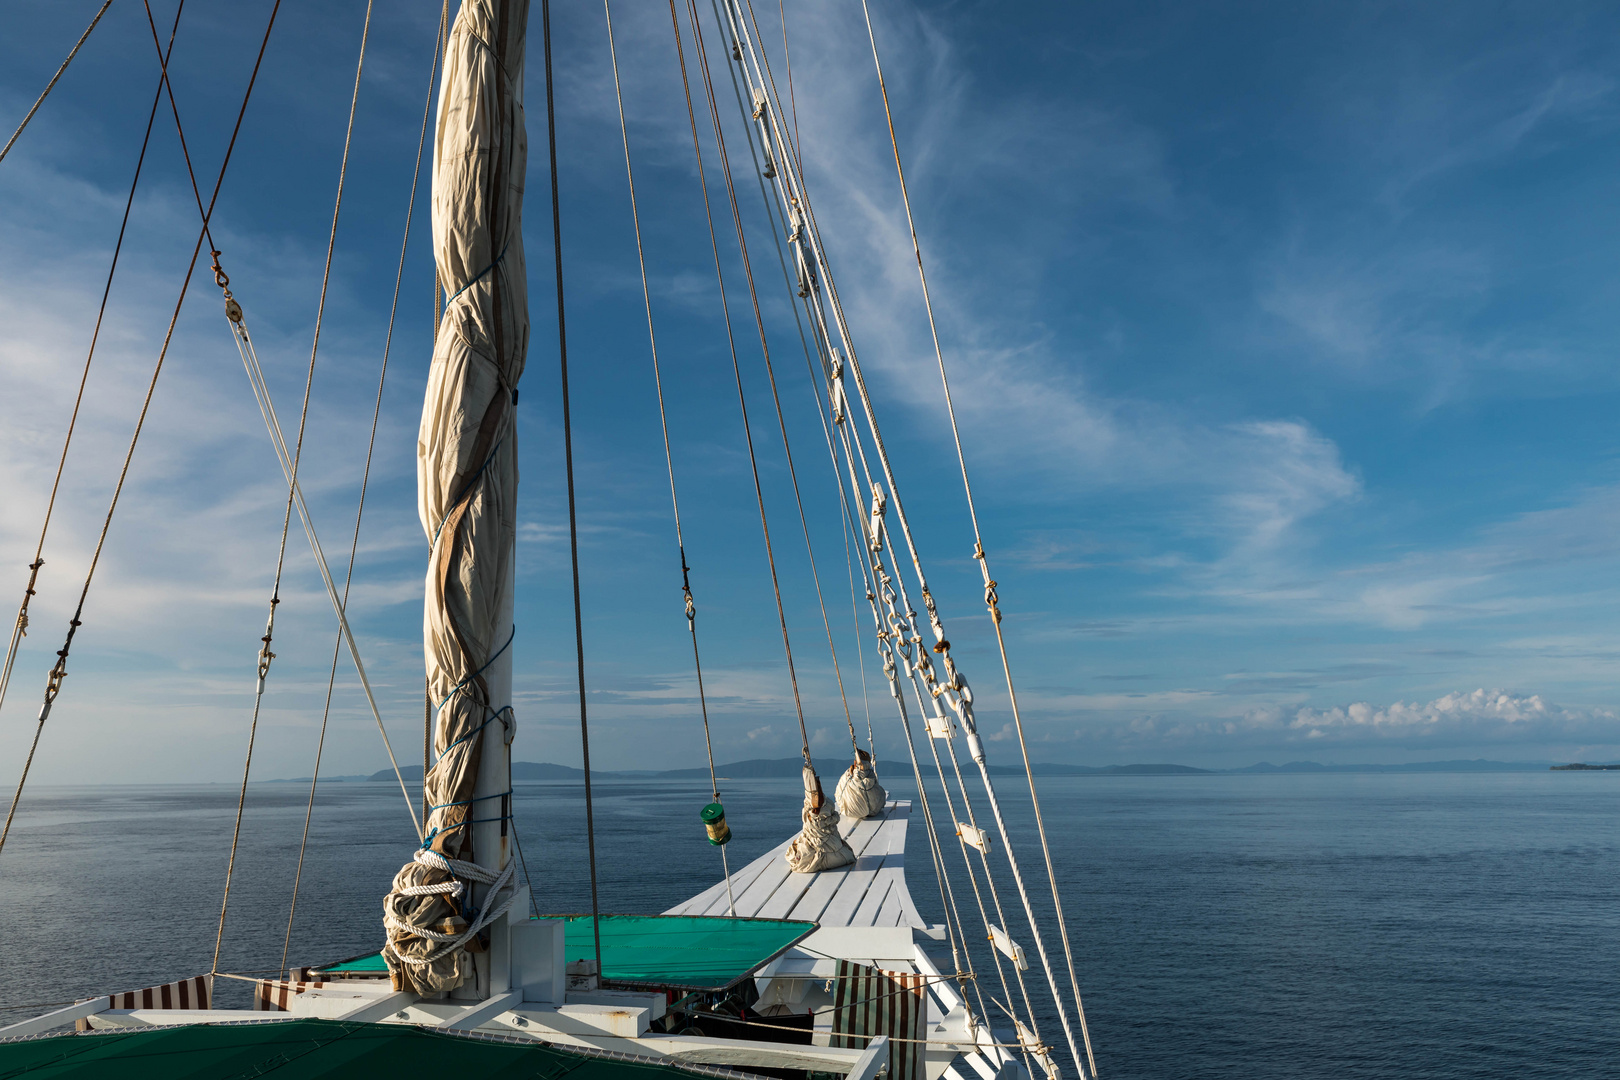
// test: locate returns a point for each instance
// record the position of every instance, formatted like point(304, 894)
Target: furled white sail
point(819, 845)
point(859, 795)
point(461, 879)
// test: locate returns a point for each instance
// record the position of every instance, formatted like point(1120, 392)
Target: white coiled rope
point(463, 872)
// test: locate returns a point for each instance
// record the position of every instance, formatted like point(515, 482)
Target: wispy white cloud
point(1512, 723)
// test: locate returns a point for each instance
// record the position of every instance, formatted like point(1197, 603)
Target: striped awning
point(869, 1001)
point(193, 993)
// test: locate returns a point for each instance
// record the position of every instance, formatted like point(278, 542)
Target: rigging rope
point(365, 478)
point(946, 893)
point(782, 423)
point(759, 493)
point(265, 655)
point(954, 687)
point(990, 597)
point(53, 686)
point(19, 628)
point(568, 462)
point(261, 393)
point(50, 85)
point(690, 605)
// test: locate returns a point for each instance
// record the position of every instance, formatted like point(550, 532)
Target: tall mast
point(454, 893)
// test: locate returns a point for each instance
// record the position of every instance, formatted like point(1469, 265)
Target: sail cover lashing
point(467, 491)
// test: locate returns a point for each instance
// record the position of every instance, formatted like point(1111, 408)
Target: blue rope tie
point(492, 718)
point(427, 842)
point(466, 802)
point(480, 275)
point(456, 688)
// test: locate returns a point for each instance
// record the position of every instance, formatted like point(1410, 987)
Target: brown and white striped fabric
point(869, 1001)
point(272, 995)
point(192, 993)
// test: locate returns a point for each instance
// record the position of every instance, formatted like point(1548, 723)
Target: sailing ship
point(811, 960)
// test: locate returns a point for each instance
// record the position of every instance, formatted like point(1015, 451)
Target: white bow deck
point(865, 914)
point(869, 892)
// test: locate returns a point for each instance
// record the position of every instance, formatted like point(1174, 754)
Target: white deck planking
point(870, 890)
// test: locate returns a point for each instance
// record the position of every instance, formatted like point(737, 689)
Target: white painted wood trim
point(376, 1011)
point(873, 1059)
point(1014, 951)
point(55, 1019)
point(470, 1018)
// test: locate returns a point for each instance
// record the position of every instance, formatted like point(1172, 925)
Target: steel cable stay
point(788, 450)
point(19, 628)
point(714, 115)
point(768, 171)
point(267, 410)
point(790, 190)
point(936, 848)
point(59, 672)
point(991, 599)
point(938, 629)
point(899, 700)
point(293, 494)
point(15, 135)
point(835, 465)
point(907, 638)
point(443, 43)
point(354, 545)
point(689, 604)
point(880, 585)
point(946, 892)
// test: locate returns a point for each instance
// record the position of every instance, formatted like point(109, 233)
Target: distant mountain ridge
point(1476, 765)
point(769, 768)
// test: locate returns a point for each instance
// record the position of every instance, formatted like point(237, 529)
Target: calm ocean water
point(1426, 926)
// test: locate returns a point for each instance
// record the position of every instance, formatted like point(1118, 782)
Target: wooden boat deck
point(869, 892)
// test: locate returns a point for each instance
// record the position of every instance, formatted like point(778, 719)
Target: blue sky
point(1281, 333)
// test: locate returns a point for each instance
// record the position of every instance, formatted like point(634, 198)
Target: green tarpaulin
point(690, 952)
point(687, 952)
point(307, 1049)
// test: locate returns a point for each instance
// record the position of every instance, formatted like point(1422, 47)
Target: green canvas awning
point(683, 952)
point(369, 964)
point(677, 952)
point(308, 1050)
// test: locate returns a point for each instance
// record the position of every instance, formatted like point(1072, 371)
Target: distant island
point(1582, 767)
point(769, 768)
